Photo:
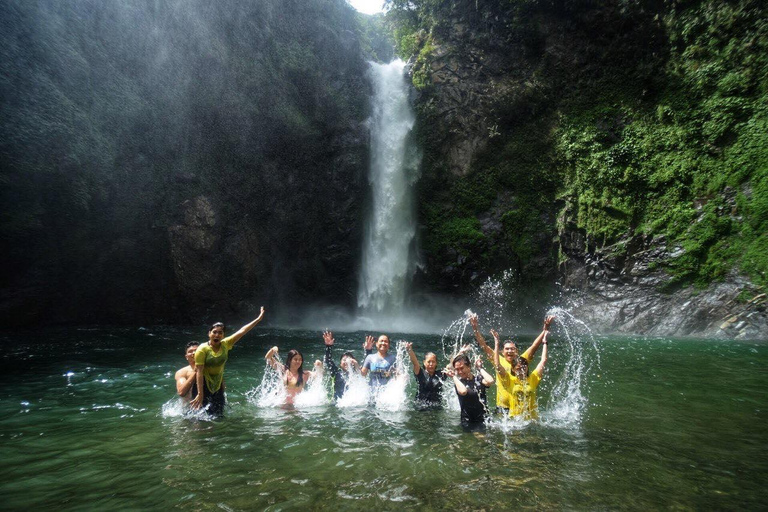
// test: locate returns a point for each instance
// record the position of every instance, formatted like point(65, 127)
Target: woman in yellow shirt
point(520, 386)
point(509, 358)
point(209, 366)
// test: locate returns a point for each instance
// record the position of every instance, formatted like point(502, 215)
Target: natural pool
point(665, 424)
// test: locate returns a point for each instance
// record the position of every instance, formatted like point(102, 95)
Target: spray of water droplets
point(573, 357)
point(179, 408)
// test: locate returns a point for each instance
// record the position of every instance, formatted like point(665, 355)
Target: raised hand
point(408, 346)
point(548, 322)
point(495, 335)
point(328, 338)
point(369, 342)
point(474, 322)
point(479, 363)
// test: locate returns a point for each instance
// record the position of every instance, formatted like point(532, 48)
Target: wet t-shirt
point(430, 387)
point(473, 403)
point(214, 363)
point(380, 368)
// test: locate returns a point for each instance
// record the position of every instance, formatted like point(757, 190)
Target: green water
point(667, 424)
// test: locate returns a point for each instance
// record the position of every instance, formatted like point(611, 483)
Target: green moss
point(640, 139)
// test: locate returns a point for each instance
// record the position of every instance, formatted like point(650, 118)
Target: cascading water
point(388, 259)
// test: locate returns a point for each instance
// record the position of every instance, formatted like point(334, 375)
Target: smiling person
point(429, 379)
point(380, 365)
point(521, 385)
point(471, 391)
point(348, 363)
point(293, 374)
point(210, 359)
point(186, 386)
point(508, 360)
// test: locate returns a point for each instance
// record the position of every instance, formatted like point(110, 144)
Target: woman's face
point(346, 361)
point(296, 362)
point(430, 363)
point(382, 345)
point(462, 369)
point(521, 369)
point(215, 335)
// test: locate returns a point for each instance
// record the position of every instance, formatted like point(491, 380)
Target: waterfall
point(388, 257)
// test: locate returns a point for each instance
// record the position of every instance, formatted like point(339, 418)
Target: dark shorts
point(213, 403)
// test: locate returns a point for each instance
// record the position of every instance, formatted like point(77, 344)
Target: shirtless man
point(185, 378)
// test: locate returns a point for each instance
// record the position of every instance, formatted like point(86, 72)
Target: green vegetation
point(660, 129)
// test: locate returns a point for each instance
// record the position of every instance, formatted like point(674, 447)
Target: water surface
point(671, 424)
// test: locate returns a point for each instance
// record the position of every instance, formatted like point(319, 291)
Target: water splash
point(177, 407)
point(314, 394)
point(357, 393)
point(393, 396)
point(573, 355)
point(388, 258)
point(270, 392)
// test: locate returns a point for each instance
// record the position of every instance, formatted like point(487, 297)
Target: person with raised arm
point(210, 359)
point(293, 374)
point(509, 359)
point(471, 391)
point(521, 385)
point(379, 366)
point(347, 363)
point(429, 379)
point(186, 385)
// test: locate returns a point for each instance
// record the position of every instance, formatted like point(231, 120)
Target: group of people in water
point(202, 381)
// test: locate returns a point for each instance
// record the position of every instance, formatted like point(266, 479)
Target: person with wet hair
point(186, 386)
point(340, 373)
point(210, 359)
point(380, 366)
point(292, 373)
point(509, 358)
point(429, 379)
point(521, 385)
point(471, 390)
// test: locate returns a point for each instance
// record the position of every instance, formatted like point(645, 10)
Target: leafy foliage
point(643, 117)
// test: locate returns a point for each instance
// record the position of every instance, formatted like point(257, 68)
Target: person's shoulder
point(184, 372)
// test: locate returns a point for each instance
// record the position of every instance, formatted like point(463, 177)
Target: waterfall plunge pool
point(665, 424)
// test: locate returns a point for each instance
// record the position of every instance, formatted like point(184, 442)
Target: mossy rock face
point(655, 129)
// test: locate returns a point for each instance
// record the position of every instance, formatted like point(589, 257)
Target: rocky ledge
point(621, 288)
